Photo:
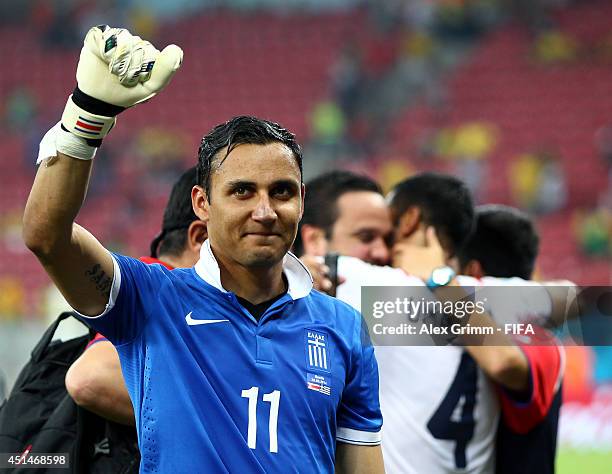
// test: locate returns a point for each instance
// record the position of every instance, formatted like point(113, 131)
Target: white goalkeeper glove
point(116, 70)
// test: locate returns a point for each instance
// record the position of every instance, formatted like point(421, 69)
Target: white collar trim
point(298, 277)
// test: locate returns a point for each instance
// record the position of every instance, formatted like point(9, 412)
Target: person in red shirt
point(505, 244)
point(95, 380)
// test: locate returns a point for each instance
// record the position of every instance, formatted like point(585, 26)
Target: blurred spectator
point(524, 175)
point(537, 182)
point(61, 28)
point(594, 232)
point(161, 152)
point(10, 231)
point(12, 298)
point(552, 190)
point(347, 79)
point(419, 14)
point(531, 13)
point(327, 123)
point(578, 383)
point(392, 171)
point(459, 20)
point(554, 47)
point(418, 44)
point(143, 23)
point(20, 109)
point(467, 146)
point(472, 144)
point(417, 66)
point(327, 137)
point(384, 14)
point(380, 51)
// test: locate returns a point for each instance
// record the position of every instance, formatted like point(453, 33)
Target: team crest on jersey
point(317, 350)
point(318, 383)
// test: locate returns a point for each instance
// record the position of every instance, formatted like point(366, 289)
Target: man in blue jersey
point(94, 380)
point(235, 365)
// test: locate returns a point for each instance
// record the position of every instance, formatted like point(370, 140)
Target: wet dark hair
point(504, 241)
point(178, 216)
point(445, 203)
point(321, 202)
point(239, 131)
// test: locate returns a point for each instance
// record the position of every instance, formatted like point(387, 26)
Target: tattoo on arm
point(100, 279)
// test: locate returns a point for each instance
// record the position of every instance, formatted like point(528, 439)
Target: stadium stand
point(287, 60)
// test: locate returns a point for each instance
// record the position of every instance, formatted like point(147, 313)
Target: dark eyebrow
point(280, 182)
point(239, 182)
point(285, 182)
point(365, 229)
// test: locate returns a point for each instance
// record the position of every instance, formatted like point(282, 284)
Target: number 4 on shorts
point(454, 418)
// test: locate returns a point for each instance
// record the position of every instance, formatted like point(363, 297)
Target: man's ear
point(200, 203)
point(408, 223)
point(196, 235)
point(313, 240)
point(474, 269)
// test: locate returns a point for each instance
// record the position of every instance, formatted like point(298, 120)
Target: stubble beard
point(262, 258)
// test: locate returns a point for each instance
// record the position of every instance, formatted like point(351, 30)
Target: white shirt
point(415, 380)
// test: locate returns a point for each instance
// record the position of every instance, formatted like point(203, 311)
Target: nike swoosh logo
point(195, 322)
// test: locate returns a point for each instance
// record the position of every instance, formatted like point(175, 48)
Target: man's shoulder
point(332, 310)
point(158, 272)
point(320, 298)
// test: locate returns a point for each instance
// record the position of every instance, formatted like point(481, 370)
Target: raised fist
point(116, 70)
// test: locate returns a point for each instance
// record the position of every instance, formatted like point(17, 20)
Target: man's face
point(363, 227)
point(255, 205)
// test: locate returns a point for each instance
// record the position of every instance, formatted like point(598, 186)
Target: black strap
point(39, 351)
point(95, 106)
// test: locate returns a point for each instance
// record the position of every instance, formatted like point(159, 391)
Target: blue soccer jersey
point(215, 390)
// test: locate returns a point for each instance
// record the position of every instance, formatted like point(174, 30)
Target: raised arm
point(79, 265)
point(116, 70)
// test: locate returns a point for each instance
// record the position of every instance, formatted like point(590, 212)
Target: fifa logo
point(317, 353)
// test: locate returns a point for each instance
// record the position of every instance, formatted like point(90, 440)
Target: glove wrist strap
point(95, 106)
point(59, 140)
point(85, 124)
point(71, 145)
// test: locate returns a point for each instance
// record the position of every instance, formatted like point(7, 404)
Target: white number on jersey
point(454, 418)
point(274, 399)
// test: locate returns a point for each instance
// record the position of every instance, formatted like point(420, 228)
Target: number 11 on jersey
point(273, 398)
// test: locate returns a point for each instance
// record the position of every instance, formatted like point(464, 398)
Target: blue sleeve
point(359, 418)
point(127, 311)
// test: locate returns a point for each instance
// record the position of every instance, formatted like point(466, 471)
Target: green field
point(573, 461)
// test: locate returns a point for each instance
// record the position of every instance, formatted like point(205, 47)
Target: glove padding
point(116, 70)
point(124, 70)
